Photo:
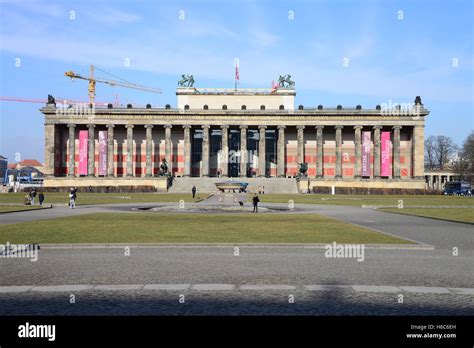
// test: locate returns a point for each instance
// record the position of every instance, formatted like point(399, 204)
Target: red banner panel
point(83, 137)
point(385, 157)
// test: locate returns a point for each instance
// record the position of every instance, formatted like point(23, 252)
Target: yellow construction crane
point(92, 81)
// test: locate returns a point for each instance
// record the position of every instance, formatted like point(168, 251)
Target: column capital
point(300, 127)
point(262, 127)
point(338, 126)
point(358, 127)
point(129, 126)
point(167, 126)
point(187, 126)
point(281, 126)
point(319, 127)
point(377, 127)
point(397, 127)
point(90, 125)
point(205, 126)
point(110, 126)
point(225, 126)
point(71, 125)
point(243, 126)
point(148, 126)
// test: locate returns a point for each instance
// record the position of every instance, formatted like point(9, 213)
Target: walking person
point(41, 198)
point(255, 201)
point(72, 198)
point(33, 196)
point(194, 191)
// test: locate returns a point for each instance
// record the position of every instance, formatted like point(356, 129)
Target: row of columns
point(243, 149)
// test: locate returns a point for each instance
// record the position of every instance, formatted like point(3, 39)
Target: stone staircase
point(207, 185)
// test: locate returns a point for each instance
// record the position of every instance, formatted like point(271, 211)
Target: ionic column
point(396, 152)
point(225, 151)
point(261, 152)
point(187, 150)
point(205, 150)
point(300, 142)
point(72, 149)
point(418, 151)
point(281, 151)
point(168, 147)
point(243, 151)
point(358, 157)
point(338, 151)
point(319, 145)
point(377, 151)
point(91, 150)
point(129, 149)
point(110, 150)
point(149, 146)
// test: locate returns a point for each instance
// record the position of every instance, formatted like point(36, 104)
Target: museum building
point(236, 133)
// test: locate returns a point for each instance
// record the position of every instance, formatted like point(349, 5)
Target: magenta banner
point(385, 157)
point(365, 154)
point(83, 135)
point(102, 152)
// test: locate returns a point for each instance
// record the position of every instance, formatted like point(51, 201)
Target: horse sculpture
point(285, 81)
point(186, 81)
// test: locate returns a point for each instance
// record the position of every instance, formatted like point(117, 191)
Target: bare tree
point(465, 164)
point(444, 150)
point(429, 152)
point(439, 151)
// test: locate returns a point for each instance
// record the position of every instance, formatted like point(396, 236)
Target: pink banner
point(83, 136)
point(385, 157)
point(365, 154)
point(102, 152)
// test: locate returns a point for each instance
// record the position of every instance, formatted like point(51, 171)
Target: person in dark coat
point(255, 201)
point(194, 191)
point(41, 198)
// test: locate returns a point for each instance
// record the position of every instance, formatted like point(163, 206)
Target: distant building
point(28, 164)
point(3, 167)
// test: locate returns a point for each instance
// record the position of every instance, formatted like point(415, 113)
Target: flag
point(237, 73)
point(274, 86)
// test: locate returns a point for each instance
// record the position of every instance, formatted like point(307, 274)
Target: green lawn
point(354, 200)
point(104, 198)
point(151, 227)
point(6, 208)
point(358, 200)
point(454, 214)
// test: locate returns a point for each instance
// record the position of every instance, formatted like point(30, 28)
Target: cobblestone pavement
point(270, 265)
point(233, 302)
point(218, 265)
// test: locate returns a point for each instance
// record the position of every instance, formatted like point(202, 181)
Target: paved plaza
point(260, 280)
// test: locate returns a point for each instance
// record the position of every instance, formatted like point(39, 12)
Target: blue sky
point(392, 55)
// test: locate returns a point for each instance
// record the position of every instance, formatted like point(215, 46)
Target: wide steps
point(207, 185)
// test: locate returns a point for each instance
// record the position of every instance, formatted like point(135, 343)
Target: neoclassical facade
point(235, 133)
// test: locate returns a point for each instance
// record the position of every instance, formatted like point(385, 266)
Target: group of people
point(30, 198)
